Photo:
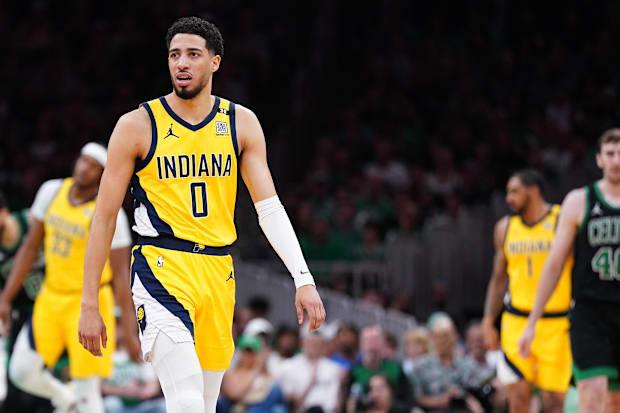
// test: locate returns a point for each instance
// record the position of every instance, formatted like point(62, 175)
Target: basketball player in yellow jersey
point(182, 153)
point(60, 220)
point(522, 243)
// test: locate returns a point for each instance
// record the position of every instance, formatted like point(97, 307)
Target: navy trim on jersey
point(31, 335)
point(141, 163)
point(554, 314)
point(512, 366)
point(140, 196)
point(539, 220)
point(158, 291)
point(178, 244)
point(233, 128)
point(188, 125)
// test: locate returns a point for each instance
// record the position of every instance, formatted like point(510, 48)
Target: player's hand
point(525, 342)
point(307, 298)
point(5, 315)
point(490, 335)
point(91, 329)
point(132, 345)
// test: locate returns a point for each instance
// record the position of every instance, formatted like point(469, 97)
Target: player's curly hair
point(201, 27)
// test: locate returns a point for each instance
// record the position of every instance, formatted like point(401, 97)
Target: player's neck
point(192, 110)
point(535, 212)
point(80, 194)
point(609, 188)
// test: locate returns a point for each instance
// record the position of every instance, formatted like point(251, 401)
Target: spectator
point(259, 327)
point(372, 347)
point(490, 391)
point(259, 307)
point(417, 345)
point(409, 219)
point(444, 180)
point(439, 380)
point(372, 248)
point(373, 203)
point(286, 346)
point(344, 231)
point(248, 387)
point(476, 352)
point(390, 350)
point(310, 379)
point(321, 245)
point(386, 168)
point(381, 399)
point(347, 354)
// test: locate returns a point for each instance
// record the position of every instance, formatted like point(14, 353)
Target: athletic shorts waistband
point(173, 243)
point(553, 314)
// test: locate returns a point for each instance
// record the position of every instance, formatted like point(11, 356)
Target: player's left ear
point(215, 63)
point(599, 160)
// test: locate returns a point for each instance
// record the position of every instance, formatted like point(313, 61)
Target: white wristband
point(277, 227)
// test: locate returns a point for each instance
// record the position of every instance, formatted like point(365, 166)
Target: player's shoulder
point(575, 198)
point(138, 117)
point(132, 133)
point(574, 205)
point(502, 223)
point(249, 130)
point(51, 185)
point(244, 115)
point(501, 227)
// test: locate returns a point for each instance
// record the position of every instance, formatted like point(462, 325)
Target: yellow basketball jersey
point(187, 185)
point(66, 227)
point(526, 248)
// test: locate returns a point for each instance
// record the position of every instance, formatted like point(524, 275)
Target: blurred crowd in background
point(341, 368)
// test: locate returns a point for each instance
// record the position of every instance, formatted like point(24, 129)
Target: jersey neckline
point(539, 220)
point(601, 198)
point(188, 125)
point(79, 204)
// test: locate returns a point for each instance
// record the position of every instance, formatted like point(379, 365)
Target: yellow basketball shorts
point(187, 292)
point(55, 329)
point(550, 363)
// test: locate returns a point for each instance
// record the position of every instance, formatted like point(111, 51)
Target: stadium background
point(391, 126)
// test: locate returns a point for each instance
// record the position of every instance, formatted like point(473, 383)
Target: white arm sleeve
point(277, 227)
point(122, 236)
point(43, 199)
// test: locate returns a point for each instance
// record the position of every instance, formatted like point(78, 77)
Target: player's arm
point(272, 217)
point(568, 222)
point(493, 303)
point(24, 259)
point(119, 263)
point(127, 143)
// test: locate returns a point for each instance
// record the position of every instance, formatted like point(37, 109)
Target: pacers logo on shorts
point(141, 316)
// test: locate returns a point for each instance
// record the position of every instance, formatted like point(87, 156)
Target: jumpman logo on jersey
point(596, 210)
point(170, 133)
point(230, 276)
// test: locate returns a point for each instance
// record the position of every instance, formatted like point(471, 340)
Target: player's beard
point(187, 93)
point(520, 210)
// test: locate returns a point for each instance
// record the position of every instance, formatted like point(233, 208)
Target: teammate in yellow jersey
point(182, 153)
point(61, 218)
point(522, 243)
